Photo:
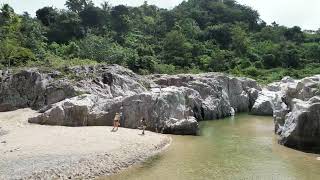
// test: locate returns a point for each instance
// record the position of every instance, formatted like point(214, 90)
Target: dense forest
point(196, 36)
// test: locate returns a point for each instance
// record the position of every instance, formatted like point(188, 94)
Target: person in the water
point(116, 122)
point(143, 125)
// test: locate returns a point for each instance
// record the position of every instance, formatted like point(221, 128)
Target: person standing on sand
point(143, 125)
point(116, 122)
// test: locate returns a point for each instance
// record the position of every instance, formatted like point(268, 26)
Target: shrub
point(165, 69)
point(252, 71)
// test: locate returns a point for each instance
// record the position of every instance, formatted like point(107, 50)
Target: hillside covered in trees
point(196, 36)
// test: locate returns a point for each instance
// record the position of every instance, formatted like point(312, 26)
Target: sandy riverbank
point(32, 151)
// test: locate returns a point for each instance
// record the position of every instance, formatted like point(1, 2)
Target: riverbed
point(242, 147)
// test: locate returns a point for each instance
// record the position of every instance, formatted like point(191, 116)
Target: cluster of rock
point(170, 104)
point(91, 95)
point(295, 106)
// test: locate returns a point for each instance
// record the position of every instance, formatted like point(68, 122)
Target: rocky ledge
point(90, 96)
point(295, 106)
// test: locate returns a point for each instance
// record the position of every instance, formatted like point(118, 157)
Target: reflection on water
point(243, 147)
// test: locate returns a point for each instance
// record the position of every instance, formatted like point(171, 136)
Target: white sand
point(31, 151)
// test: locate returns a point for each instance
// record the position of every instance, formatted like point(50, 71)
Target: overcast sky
point(305, 13)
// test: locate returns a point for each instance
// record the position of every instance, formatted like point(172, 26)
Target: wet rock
point(187, 126)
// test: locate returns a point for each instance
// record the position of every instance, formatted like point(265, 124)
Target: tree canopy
point(195, 36)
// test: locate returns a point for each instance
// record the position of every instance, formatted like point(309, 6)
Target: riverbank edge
point(101, 165)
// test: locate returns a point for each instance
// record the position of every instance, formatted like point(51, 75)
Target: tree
point(290, 56)
point(106, 6)
point(66, 28)
point(33, 35)
point(120, 19)
point(11, 54)
point(221, 60)
point(95, 47)
point(7, 13)
point(240, 40)
point(72, 50)
point(177, 49)
point(312, 52)
point(146, 63)
point(294, 34)
point(197, 35)
point(47, 15)
point(270, 61)
point(9, 23)
point(190, 28)
point(78, 5)
point(92, 16)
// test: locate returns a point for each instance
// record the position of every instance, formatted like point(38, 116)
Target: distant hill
point(196, 36)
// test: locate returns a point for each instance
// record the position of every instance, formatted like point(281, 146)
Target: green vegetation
point(196, 36)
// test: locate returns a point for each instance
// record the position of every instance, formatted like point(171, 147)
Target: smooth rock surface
point(182, 127)
point(29, 88)
point(263, 105)
point(301, 129)
point(295, 105)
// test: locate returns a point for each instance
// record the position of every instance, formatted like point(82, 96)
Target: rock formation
point(295, 106)
point(301, 128)
point(90, 96)
point(29, 88)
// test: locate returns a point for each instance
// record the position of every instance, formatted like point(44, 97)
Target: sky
point(304, 13)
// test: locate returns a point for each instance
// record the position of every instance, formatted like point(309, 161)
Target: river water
point(243, 147)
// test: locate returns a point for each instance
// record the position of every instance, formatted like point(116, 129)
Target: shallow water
point(243, 147)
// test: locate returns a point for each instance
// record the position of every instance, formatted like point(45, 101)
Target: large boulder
point(109, 81)
point(187, 126)
point(301, 129)
point(267, 103)
point(296, 112)
point(263, 106)
point(70, 112)
point(30, 88)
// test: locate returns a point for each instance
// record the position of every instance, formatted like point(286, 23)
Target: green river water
point(243, 147)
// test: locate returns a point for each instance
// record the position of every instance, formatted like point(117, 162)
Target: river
point(243, 147)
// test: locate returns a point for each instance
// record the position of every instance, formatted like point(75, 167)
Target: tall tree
point(78, 5)
point(92, 16)
point(121, 22)
point(47, 15)
point(66, 28)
